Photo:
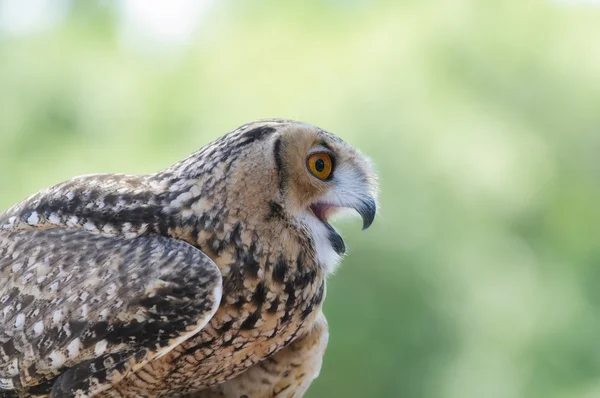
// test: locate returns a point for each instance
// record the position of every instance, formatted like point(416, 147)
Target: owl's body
point(206, 278)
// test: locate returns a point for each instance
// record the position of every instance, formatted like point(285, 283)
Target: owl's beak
point(367, 208)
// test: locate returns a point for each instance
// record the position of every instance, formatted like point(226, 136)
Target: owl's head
point(280, 172)
point(319, 177)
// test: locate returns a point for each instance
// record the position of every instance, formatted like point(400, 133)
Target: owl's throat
point(323, 212)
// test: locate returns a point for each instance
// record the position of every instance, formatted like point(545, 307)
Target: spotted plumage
point(205, 279)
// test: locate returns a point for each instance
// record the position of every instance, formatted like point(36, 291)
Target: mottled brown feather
point(244, 202)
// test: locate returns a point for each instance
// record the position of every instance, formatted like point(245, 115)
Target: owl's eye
point(320, 165)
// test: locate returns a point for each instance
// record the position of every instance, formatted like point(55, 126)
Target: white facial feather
point(348, 188)
point(347, 192)
point(327, 257)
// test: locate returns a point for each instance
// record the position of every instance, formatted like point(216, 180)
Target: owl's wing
point(78, 312)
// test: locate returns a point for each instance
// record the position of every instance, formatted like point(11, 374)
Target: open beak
point(367, 208)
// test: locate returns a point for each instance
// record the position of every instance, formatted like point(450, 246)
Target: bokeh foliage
point(481, 276)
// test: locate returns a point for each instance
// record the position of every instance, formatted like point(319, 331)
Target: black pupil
point(320, 165)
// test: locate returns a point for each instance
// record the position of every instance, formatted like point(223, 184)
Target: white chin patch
point(326, 255)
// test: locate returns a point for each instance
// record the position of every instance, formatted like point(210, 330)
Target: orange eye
point(321, 165)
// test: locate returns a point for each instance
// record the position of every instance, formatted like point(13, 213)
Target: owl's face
point(310, 175)
point(322, 177)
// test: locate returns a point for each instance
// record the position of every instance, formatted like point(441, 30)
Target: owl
point(206, 279)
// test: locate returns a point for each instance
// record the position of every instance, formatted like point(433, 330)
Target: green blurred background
point(481, 276)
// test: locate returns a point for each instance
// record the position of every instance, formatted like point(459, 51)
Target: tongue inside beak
point(322, 211)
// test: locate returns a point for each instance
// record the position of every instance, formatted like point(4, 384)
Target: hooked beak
point(367, 209)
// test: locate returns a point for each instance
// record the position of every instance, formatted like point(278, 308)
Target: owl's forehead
point(307, 134)
point(317, 137)
point(286, 127)
point(297, 137)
